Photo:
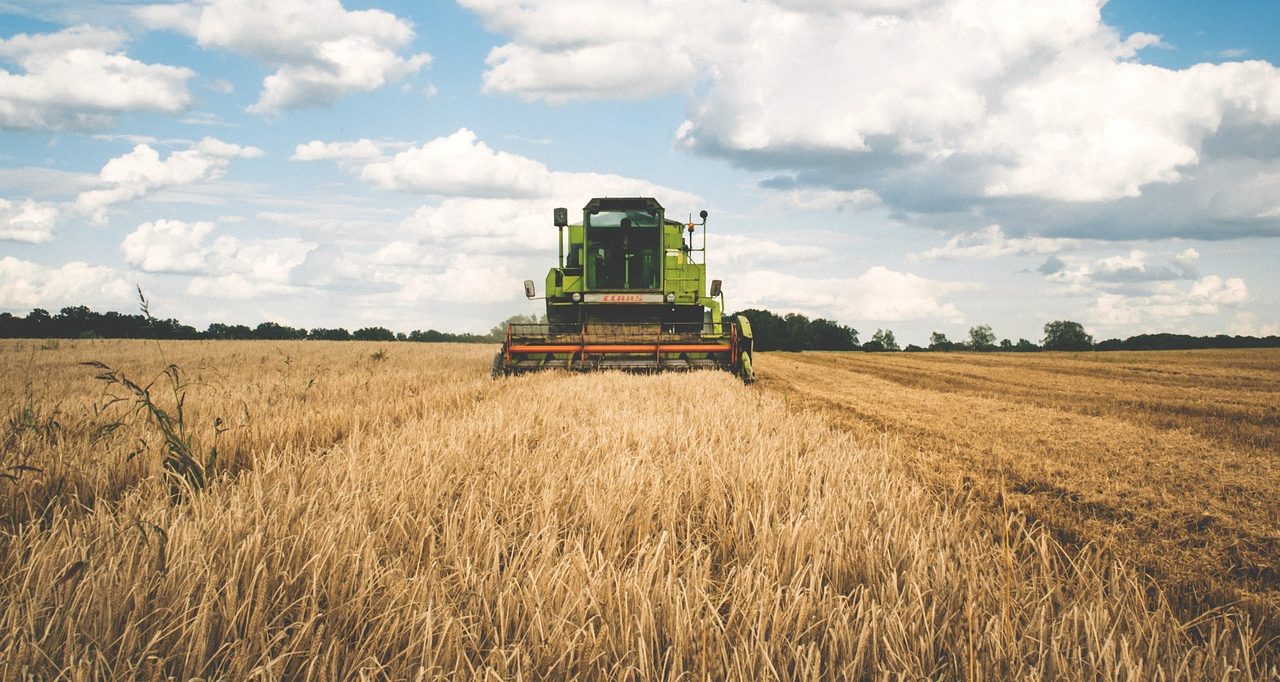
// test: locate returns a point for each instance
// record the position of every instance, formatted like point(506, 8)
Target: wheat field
point(328, 510)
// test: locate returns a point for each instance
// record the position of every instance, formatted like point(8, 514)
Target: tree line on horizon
point(796, 332)
point(789, 332)
point(79, 322)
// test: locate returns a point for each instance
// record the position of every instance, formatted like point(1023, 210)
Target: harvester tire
point(498, 370)
point(747, 373)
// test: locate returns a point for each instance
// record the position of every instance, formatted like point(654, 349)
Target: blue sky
point(916, 165)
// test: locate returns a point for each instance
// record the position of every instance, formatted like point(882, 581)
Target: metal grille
point(614, 332)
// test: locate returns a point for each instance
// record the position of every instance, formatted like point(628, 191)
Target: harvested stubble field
point(393, 513)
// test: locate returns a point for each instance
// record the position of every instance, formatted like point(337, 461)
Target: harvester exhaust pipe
point(561, 216)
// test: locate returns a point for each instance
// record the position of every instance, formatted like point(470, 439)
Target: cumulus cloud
point(460, 165)
point(24, 284)
point(734, 252)
point(486, 200)
point(991, 242)
point(316, 150)
point(320, 50)
point(30, 221)
point(1129, 291)
point(1166, 304)
point(937, 103)
point(167, 246)
point(1120, 271)
point(810, 199)
point(80, 78)
point(224, 267)
point(879, 294)
point(142, 170)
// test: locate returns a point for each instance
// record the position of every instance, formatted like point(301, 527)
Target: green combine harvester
point(629, 296)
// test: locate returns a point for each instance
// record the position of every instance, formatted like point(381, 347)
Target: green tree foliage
point(1066, 335)
point(373, 334)
point(321, 334)
point(884, 339)
point(278, 332)
point(217, 330)
point(795, 332)
point(981, 338)
point(939, 342)
point(768, 329)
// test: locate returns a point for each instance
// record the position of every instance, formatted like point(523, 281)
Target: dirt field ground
point(387, 511)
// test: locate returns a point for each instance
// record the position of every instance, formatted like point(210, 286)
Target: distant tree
point(827, 335)
point(1109, 344)
point(885, 339)
point(429, 336)
point(981, 338)
point(320, 334)
point(913, 348)
point(768, 330)
point(218, 330)
point(1066, 335)
point(1006, 345)
point(1025, 346)
point(873, 346)
point(277, 332)
point(797, 327)
point(939, 342)
point(373, 334)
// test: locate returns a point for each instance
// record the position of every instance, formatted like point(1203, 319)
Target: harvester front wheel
point(745, 371)
point(498, 370)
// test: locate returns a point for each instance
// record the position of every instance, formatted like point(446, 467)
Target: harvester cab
point(631, 294)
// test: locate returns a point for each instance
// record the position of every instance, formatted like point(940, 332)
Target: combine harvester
point(629, 297)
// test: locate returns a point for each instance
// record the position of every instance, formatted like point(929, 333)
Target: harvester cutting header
point(630, 295)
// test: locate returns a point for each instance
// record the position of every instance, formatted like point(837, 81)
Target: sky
point(913, 165)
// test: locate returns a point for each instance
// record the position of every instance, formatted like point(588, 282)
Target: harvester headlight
point(576, 297)
point(671, 298)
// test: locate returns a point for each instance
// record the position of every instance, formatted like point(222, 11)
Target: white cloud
point(1248, 324)
point(1123, 271)
point(735, 253)
point(1003, 99)
point(460, 165)
point(1215, 290)
point(30, 221)
point(225, 267)
point(79, 78)
point(320, 50)
point(879, 294)
point(360, 150)
point(1130, 292)
point(490, 201)
point(140, 171)
point(24, 284)
point(991, 242)
point(167, 246)
point(1166, 304)
point(807, 199)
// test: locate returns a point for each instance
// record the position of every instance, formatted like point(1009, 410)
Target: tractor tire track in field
point(1198, 514)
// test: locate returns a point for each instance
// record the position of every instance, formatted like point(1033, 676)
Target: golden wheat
point(406, 517)
point(1167, 459)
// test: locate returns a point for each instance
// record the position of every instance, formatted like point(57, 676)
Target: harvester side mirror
point(561, 216)
point(703, 214)
point(715, 285)
point(529, 291)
